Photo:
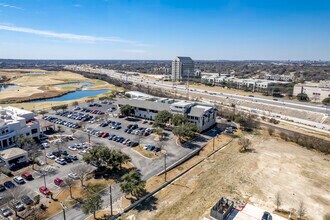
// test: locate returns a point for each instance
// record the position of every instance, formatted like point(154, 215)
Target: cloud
point(10, 6)
point(68, 36)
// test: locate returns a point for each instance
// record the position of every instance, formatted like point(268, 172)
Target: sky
point(163, 29)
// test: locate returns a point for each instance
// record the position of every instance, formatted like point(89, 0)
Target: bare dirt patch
point(276, 166)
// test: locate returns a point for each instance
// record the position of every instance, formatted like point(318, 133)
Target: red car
point(105, 134)
point(27, 176)
point(58, 182)
point(44, 190)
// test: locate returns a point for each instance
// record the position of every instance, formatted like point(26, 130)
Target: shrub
point(274, 121)
point(284, 136)
point(6, 171)
point(270, 131)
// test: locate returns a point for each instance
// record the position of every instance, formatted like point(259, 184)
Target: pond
point(74, 95)
point(7, 86)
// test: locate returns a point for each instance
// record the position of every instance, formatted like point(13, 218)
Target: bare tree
point(301, 210)
point(245, 143)
point(69, 183)
point(34, 213)
point(82, 171)
point(278, 200)
point(14, 194)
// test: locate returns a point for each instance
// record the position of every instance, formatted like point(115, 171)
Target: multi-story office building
point(183, 69)
point(15, 122)
point(203, 115)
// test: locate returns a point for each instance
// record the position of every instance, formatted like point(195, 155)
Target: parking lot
point(86, 126)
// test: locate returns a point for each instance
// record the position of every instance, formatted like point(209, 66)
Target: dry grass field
point(274, 166)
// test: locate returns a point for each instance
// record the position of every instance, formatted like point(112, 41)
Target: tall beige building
point(183, 69)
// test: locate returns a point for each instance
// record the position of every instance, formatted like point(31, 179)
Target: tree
point(63, 107)
point(326, 101)
point(14, 194)
point(245, 143)
point(185, 131)
point(126, 110)
point(162, 118)
point(132, 184)
point(301, 210)
point(92, 204)
point(302, 97)
point(159, 132)
point(43, 112)
point(69, 183)
point(103, 156)
point(82, 171)
point(178, 119)
point(326, 216)
point(278, 200)
point(75, 103)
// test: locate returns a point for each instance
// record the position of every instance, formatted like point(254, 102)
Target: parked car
point(26, 200)
point(44, 190)
point(67, 159)
point(19, 180)
point(6, 212)
point(27, 176)
point(73, 148)
point(50, 156)
point(73, 176)
point(59, 182)
point(2, 188)
point(266, 216)
point(18, 205)
point(60, 161)
point(9, 184)
point(72, 157)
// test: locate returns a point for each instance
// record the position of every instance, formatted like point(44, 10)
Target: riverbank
point(47, 84)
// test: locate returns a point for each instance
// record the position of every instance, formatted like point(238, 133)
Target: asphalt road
point(169, 86)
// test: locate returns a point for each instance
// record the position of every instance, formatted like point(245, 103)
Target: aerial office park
point(68, 132)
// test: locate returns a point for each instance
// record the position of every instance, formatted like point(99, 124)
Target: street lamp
point(63, 208)
point(165, 155)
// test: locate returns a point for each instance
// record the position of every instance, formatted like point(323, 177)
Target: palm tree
point(132, 184)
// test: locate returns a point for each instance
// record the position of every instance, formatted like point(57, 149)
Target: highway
point(169, 86)
point(306, 113)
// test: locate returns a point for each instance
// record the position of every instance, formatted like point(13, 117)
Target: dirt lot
point(275, 166)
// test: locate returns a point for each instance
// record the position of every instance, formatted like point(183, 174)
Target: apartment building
point(203, 115)
point(15, 122)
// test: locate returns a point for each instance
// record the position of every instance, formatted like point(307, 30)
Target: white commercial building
point(15, 122)
point(201, 114)
point(314, 91)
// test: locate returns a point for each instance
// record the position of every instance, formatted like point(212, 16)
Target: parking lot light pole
point(44, 176)
point(165, 167)
point(110, 188)
point(45, 156)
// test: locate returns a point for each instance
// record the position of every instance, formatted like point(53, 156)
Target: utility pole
point(89, 140)
point(63, 208)
point(111, 212)
point(165, 166)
